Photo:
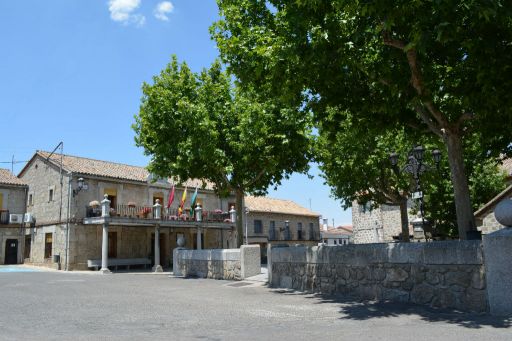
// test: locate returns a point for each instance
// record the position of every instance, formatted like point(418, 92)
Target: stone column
point(498, 259)
point(157, 267)
point(157, 214)
point(198, 239)
point(105, 214)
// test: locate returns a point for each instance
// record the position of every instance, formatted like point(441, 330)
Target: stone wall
point(440, 274)
point(230, 264)
point(490, 224)
point(215, 264)
point(377, 225)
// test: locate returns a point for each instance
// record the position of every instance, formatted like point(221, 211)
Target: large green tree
point(355, 164)
point(443, 65)
point(200, 125)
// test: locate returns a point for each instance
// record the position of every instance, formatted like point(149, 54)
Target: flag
point(183, 198)
point(171, 198)
point(193, 203)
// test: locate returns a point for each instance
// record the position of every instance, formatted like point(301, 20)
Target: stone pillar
point(157, 267)
point(498, 262)
point(198, 239)
point(105, 214)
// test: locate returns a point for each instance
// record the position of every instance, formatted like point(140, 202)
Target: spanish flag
point(183, 199)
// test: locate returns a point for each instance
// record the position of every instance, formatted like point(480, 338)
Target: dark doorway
point(11, 251)
point(112, 245)
point(162, 249)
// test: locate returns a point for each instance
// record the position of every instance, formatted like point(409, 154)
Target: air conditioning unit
point(29, 218)
point(15, 218)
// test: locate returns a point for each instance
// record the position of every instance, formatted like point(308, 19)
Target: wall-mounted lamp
point(80, 185)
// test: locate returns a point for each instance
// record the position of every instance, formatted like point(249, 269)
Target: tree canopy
point(440, 65)
point(200, 125)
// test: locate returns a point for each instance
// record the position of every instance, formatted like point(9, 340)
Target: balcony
point(4, 217)
point(144, 216)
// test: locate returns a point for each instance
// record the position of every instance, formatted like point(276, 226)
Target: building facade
point(336, 236)
point(13, 193)
point(377, 225)
point(64, 194)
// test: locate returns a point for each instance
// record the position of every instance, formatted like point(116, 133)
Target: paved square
point(88, 306)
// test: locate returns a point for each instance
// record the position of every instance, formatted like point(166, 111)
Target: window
point(287, 232)
point(272, 231)
point(299, 231)
point(311, 231)
point(50, 194)
point(30, 200)
point(48, 239)
point(335, 242)
point(258, 226)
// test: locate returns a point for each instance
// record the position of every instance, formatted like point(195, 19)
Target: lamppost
point(416, 166)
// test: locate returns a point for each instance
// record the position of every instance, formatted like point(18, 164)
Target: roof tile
point(7, 178)
point(271, 205)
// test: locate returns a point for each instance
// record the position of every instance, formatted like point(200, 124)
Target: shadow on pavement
point(355, 309)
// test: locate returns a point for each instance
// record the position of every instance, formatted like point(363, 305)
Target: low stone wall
point(230, 264)
point(441, 274)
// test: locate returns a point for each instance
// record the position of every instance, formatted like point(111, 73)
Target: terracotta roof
point(87, 166)
point(7, 178)
point(265, 204)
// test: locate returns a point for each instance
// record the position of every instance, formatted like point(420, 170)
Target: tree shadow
point(352, 308)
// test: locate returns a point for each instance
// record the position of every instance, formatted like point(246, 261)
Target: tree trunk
point(404, 217)
point(239, 217)
point(464, 210)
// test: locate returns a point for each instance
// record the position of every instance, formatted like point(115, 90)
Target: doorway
point(11, 251)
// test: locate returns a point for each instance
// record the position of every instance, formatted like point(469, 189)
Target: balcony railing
point(4, 217)
point(146, 212)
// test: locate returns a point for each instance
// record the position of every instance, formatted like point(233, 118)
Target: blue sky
point(71, 71)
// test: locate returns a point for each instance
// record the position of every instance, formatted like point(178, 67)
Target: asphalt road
point(89, 306)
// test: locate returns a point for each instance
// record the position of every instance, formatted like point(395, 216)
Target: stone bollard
point(250, 260)
point(498, 262)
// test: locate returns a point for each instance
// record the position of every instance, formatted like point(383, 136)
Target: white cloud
point(162, 9)
point(122, 11)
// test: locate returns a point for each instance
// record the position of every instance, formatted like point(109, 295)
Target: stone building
point(280, 221)
point(13, 193)
point(376, 225)
point(485, 220)
point(64, 194)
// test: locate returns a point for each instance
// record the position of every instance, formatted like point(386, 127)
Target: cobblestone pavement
point(89, 306)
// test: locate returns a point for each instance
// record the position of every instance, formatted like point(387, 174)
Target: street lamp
point(80, 185)
point(416, 166)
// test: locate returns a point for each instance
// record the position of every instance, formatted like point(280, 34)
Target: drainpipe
point(23, 228)
point(68, 215)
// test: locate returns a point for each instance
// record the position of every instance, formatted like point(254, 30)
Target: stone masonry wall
point(378, 225)
point(215, 264)
point(440, 274)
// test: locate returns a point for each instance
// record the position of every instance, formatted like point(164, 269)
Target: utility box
point(56, 258)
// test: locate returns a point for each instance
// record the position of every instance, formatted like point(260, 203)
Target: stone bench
point(115, 262)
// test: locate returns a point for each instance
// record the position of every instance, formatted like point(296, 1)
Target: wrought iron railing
point(147, 212)
point(4, 217)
